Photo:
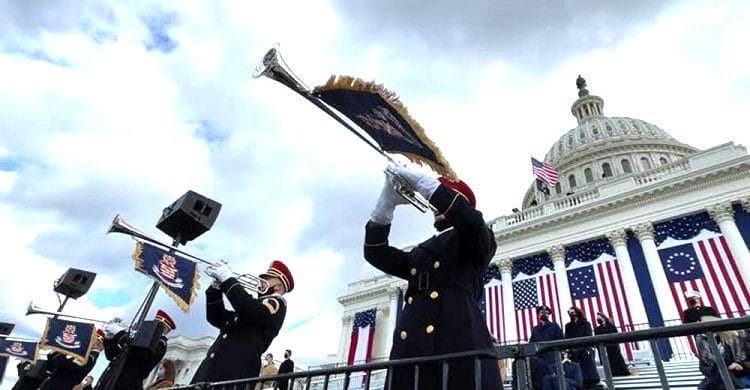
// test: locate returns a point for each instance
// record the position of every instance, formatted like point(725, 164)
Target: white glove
point(421, 183)
point(112, 328)
point(220, 272)
point(383, 212)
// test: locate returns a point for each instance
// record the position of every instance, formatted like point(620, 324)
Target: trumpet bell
point(269, 59)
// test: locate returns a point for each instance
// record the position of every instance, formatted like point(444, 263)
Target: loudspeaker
point(74, 283)
point(5, 329)
point(148, 336)
point(188, 217)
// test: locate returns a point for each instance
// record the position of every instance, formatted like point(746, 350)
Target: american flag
point(493, 310)
point(706, 265)
point(544, 172)
point(598, 288)
point(363, 332)
point(530, 293)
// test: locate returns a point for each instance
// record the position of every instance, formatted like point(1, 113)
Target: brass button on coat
point(436, 265)
point(413, 271)
point(409, 300)
point(224, 336)
point(403, 335)
point(212, 355)
point(430, 329)
point(434, 295)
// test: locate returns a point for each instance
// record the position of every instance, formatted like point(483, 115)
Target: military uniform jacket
point(445, 282)
point(245, 334)
point(129, 366)
point(65, 373)
point(546, 331)
point(694, 314)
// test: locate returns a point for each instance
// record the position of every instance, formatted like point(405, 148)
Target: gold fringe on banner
point(355, 84)
point(80, 360)
point(185, 306)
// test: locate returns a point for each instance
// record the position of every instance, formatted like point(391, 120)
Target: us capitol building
point(636, 219)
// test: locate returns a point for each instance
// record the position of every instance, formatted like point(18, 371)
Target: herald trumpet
point(248, 281)
point(274, 67)
point(33, 309)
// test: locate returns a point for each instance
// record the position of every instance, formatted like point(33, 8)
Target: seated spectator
point(734, 348)
point(572, 372)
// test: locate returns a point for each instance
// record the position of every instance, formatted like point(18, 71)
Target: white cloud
point(93, 124)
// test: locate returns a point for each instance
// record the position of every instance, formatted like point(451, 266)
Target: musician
point(66, 371)
point(132, 357)
point(30, 375)
point(247, 331)
point(445, 274)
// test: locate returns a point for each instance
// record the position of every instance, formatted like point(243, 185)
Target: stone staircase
point(681, 374)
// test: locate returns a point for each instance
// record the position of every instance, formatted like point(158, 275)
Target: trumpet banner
point(177, 275)
point(69, 337)
point(26, 350)
point(380, 113)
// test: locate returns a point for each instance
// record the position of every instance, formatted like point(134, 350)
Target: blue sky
point(109, 107)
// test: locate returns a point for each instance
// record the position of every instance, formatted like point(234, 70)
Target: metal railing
point(520, 352)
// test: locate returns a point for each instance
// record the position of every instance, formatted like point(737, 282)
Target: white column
point(645, 234)
point(506, 276)
point(557, 253)
point(346, 332)
point(383, 316)
point(723, 214)
point(637, 309)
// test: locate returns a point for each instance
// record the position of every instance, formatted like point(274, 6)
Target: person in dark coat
point(30, 375)
point(66, 371)
point(286, 367)
point(616, 362)
point(546, 330)
point(696, 310)
point(444, 275)
point(129, 362)
point(571, 373)
point(247, 331)
point(579, 326)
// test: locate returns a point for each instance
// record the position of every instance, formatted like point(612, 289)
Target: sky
point(111, 107)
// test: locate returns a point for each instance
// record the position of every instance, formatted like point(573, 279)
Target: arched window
point(606, 170)
point(589, 175)
point(645, 163)
point(558, 188)
point(663, 161)
point(572, 181)
point(626, 166)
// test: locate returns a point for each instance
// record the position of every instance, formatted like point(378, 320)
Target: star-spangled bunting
point(531, 265)
point(588, 251)
point(684, 228)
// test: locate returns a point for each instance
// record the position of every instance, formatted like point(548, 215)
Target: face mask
point(600, 321)
point(572, 315)
point(286, 356)
point(543, 316)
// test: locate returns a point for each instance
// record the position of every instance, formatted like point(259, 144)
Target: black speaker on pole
point(188, 217)
point(5, 329)
point(74, 283)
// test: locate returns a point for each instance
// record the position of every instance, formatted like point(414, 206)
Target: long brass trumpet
point(33, 309)
point(274, 67)
point(248, 281)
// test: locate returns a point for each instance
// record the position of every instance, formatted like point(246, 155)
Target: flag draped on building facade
point(363, 333)
point(534, 284)
point(596, 285)
point(544, 172)
point(492, 304)
point(696, 257)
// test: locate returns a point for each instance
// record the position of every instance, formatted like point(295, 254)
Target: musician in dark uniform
point(133, 357)
point(445, 274)
point(247, 331)
point(695, 309)
point(30, 375)
point(66, 371)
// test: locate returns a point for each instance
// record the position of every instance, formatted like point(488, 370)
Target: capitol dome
point(601, 148)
